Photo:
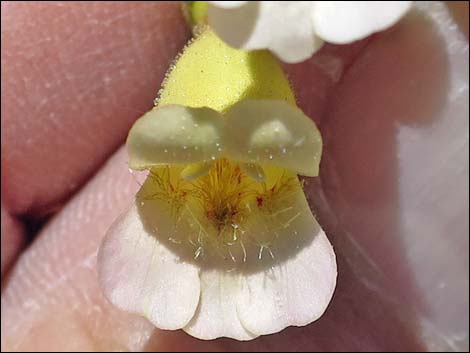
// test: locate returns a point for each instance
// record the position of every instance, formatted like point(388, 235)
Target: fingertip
point(74, 79)
point(12, 240)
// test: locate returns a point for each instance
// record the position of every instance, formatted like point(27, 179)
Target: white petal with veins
point(290, 288)
point(217, 314)
point(139, 274)
point(297, 289)
point(342, 22)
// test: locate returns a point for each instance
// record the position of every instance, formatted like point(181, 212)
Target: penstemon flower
point(220, 240)
point(295, 30)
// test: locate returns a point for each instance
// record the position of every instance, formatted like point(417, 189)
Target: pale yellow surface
point(222, 102)
point(175, 134)
point(271, 132)
point(211, 74)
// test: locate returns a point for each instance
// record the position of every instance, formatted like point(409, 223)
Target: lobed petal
point(298, 288)
point(292, 288)
point(141, 275)
point(273, 133)
point(343, 22)
point(175, 134)
point(217, 314)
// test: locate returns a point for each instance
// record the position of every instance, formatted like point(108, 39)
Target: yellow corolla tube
point(211, 74)
point(221, 102)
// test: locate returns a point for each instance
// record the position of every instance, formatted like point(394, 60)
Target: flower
point(294, 30)
point(220, 240)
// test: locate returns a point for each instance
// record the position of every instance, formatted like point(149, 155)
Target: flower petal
point(296, 290)
point(195, 170)
point(285, 27)
point(217, 312)
point(293, 286)
point(174, 134)
point(273, 133)
point(139, 274)
point(228, 4)
point(342, 22)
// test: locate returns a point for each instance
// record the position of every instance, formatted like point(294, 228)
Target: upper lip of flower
point(266, 132)
point(294, 30)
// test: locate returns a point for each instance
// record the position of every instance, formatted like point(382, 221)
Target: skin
point(74, 78)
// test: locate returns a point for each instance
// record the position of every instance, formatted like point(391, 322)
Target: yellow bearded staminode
point(223, 146)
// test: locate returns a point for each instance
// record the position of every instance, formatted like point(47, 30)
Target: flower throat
point(225, 210)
